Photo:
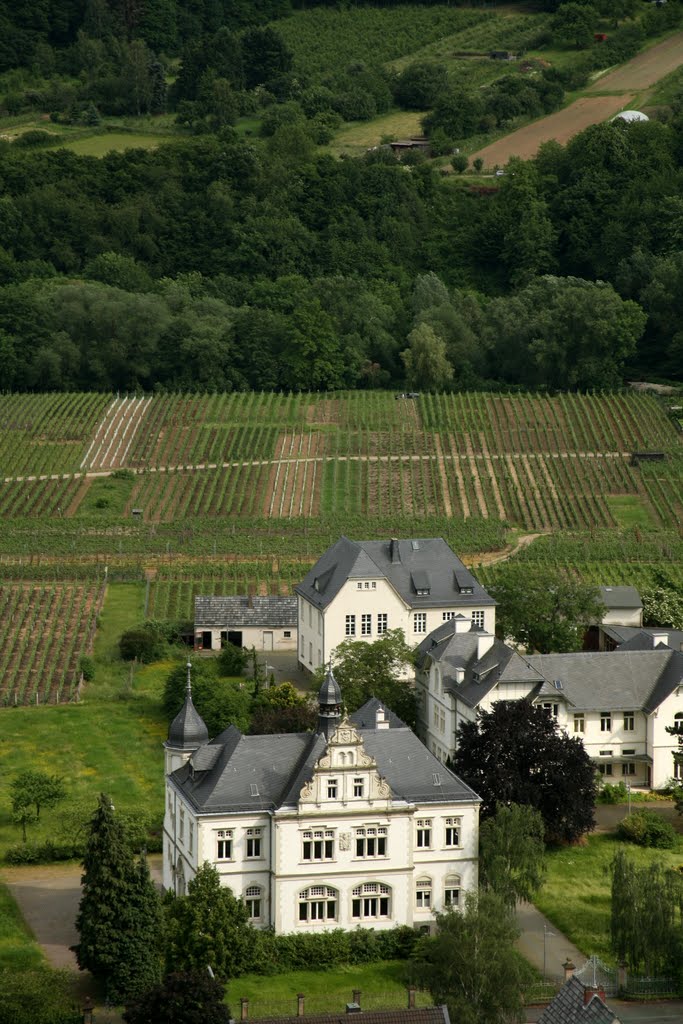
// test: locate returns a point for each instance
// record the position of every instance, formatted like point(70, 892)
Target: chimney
point(250, 601)
point(300, 1004)
point(660, 638)
point(395, 553)
point(411, 997)
point(568, 968)
point(462, 624)
point(356, 996)
point(484, 644)
point(244, 1008)
point(381, 720)
point(460, 675)
point(589, 993)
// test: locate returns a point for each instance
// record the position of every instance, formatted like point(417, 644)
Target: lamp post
point(546, 933)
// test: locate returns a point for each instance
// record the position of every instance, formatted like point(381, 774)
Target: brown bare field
point(561, 126)
point(645, 69)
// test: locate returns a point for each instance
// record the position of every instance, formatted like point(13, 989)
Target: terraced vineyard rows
point(43, 632)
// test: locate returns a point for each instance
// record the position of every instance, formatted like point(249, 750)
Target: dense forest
point(220, 261)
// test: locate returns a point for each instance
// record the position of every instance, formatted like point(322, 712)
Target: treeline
point(211, 264)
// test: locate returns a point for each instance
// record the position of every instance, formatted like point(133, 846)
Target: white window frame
point(371, 842)
point(317, 845)
point(321, 903)
point(452, 833)
point(382, 623)
point(629, 721)
point(224, 837)
point(254, 845)
point(605, 721)
point(366, 624)
point(253, 901)
point(478, 619)
point(359, 787)
point(350, 625)
point(451, 891)
point(423, 894)
point(419, 622)
point(423, 833)
point(580, 723)
point(372, 901)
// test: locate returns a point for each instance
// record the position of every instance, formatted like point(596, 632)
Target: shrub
point(37, 137)
point(141, 644)
point(612, 794)
point(647, 828)
point(232, 660)
point(87, 667)
point(43, 853)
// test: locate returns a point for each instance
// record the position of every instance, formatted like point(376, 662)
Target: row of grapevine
point(45, 434)
point(43, 632)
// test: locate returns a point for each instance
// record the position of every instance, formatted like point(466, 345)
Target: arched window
point(451, 891)
point(371, 900)
point(423, 893)
point(318, 903)
point(252, 901)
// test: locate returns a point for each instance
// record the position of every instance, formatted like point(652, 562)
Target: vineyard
point(241, 492)
point(44, 630)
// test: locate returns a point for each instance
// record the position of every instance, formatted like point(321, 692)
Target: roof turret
point(188, 730)
point(330, 702)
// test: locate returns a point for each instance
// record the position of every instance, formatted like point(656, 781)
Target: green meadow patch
point(576, 893)
point(628, 510)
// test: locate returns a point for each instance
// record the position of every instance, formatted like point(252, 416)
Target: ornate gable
point(345, 774)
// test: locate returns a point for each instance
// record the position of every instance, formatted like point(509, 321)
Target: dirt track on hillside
point(562, 126)
point(645, 69)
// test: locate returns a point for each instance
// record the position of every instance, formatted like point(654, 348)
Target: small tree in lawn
point(118, 911)
point(208, 927)
point(515, 753)
point(471, 964)
point(186, 997)
point(37, 789)
point(511, 852)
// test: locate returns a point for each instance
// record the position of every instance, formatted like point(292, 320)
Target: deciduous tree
point(515, 753)
point(365, 670)
point(184, 997)
point(511, 851)
point(471, 964)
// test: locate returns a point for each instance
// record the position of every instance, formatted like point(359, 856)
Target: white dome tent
point(630, 116)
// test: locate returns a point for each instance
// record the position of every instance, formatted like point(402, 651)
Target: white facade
point(263, 638)
point(345, 854)
point(627, 743)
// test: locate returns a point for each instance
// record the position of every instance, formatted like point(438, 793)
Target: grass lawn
point(628, 511)
point(356, 137)
point(100, 145)
point(18, 949)
point(576, 894)
point(106, 496)
point(111, 742)
point(382, 984)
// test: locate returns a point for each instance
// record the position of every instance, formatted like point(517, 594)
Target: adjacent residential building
point(266, 623)
point(618, 703)
point(577, 1003)
point(359, 589)
point(354, 824)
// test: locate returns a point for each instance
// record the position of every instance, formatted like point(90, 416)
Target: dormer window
point(421, 583)
point(464, 583)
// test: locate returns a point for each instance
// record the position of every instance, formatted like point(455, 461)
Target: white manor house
point(354, 824)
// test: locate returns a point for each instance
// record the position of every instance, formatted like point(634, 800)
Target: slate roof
point(569, 1007)
point(408, 565)
point(620, 597)
point(426, 1015)
point(236, 773)
point(642, 638)
point(273, 611)
point(588, 680)
point(187, 730)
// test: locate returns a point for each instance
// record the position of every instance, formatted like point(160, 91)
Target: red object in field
point(600, 37)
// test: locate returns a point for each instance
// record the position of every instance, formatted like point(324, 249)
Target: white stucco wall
point(263, 638)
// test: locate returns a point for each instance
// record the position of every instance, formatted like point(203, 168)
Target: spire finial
point(188, 688)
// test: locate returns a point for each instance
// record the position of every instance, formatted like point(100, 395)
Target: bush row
point(278, 954)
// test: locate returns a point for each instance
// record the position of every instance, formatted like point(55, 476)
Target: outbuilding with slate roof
point(354, 824)
point(618, 703)
point(358, 590)
point(266, 623)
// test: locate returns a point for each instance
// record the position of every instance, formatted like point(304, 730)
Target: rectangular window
point(252, 901)
point(350, 625)
point(253, 842)
point(552, 709)
point(424, 833)
point(373, 585)
point(332, 788)
point(452, 831)
point(303, 646)
point(366, 625)
point(420, 622)
point(318, 845)
point(629, 721)
point(605, 769)
point(358, 787)
point(224, 844)
point(478, 620)
point(310, 615)
point(628, 768)
point(605, 721)
point(310, 652)
point(423, 894)
point(287, 633)
point(359, 586)
point(451, 896)
point(579, 723)
point(367, 584)
point(381, 623)
point(447, 615)
point(181, 826)
point(190, 838)
point(371, 842)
